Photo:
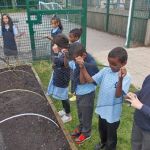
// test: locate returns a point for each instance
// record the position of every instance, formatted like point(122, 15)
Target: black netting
point(18, 79)
point(28, 132)
point(30, 43)
point(26, 119)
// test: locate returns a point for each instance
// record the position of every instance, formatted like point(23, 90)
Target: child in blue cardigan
point(58, 86)
point(141, 126)
point(85, 93)
point(74, 36)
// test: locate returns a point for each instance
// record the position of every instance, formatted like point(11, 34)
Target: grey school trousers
point(85, 106)
point(140, 138)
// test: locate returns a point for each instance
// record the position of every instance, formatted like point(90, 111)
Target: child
point(56, 29)
point(58, 86)
point(74, 36)
point(8, 32)
point(85, 94)
point(114, 82)
point(141, 125)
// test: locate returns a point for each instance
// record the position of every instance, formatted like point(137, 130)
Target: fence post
point(149, 8)
point(31, 31)
point(84, 21)
point(107, 15)
point(147, 36)
point(130, 23)
point(14, 3)
point(66, 3)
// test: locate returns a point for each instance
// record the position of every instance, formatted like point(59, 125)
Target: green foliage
point(11, 10)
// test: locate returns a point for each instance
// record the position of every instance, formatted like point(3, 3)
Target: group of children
point(70, 61)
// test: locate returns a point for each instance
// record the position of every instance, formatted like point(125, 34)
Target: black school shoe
point(99, 146)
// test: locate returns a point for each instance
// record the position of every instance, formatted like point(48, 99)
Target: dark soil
point(23, 67)
point(28, 132)
point(20, 78)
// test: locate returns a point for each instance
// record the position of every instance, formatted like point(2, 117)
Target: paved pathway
point(100, 43)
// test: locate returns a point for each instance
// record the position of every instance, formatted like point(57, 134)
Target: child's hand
point(66, 53)
point(79, 61)
point(22, 33)
point(135, 102)
point(49, 37)
point(55, 48)
point(122, 72)
point(130, 95)
point(64, 50)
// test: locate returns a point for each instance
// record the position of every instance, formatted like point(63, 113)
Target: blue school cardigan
point(53, 34)
point(61, 75)
point(142, 117)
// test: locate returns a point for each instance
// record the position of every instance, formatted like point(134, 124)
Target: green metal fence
point(34, 17)
point(112, 16)
point(141, 12)
point(72, 14)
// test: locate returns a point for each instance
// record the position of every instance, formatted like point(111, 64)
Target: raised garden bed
point(27, 119)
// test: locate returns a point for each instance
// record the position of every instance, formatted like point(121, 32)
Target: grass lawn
point(12, 10)
point(43, 69)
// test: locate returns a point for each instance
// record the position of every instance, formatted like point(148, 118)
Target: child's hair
point(59, 21)
point(61, 41)
point(76, 32)
point(120, 53)
point(76, 49)
point(10, 22)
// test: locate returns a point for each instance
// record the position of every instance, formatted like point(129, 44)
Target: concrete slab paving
point(100, 43)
